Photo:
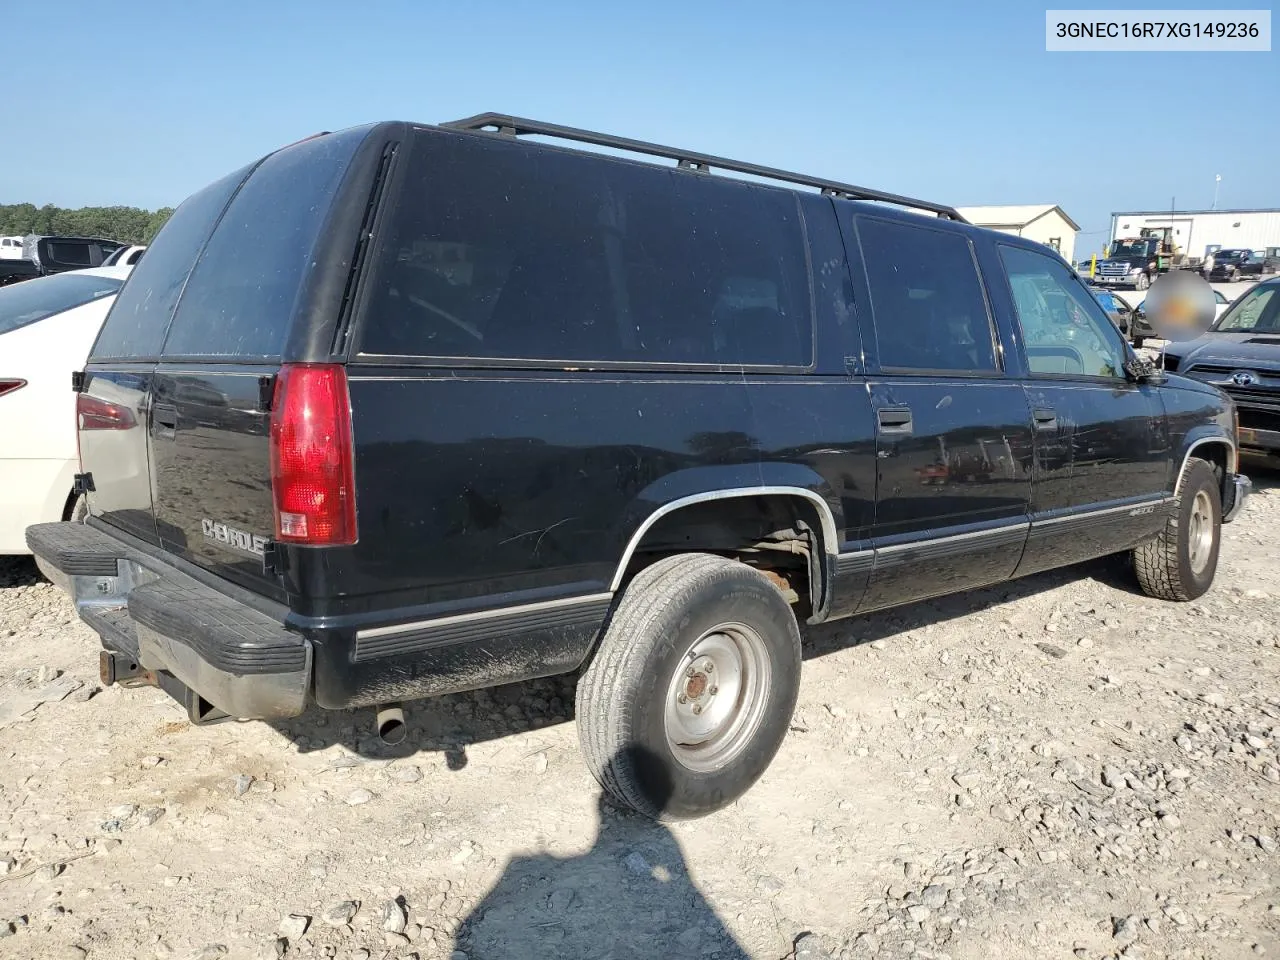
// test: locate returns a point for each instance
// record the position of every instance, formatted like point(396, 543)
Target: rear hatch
point(244, 304)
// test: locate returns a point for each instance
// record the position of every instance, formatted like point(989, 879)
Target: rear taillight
point(8, 386)
point(95, 414)
point(312, 473)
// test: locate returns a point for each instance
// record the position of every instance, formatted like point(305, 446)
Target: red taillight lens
point(312, 473)
point(8, 386)
point(95, 414)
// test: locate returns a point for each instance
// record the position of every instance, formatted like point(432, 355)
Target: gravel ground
point(1056, 767)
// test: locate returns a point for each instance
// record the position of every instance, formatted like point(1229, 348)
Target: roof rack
point(703, 163)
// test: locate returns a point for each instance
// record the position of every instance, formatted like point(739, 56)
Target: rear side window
point(927, 299)
point(240, 298)
point(70, 253)
point(136, 325)
point(34, 300)
point(503, 250)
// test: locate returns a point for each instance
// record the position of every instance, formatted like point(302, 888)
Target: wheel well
point(1217, 454)
point(780, 535)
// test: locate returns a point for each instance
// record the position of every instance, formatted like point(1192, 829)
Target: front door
point(1101, 451)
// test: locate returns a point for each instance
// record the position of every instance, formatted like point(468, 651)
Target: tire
point(1168, 567)
point(639, 738)
point(1143, 282)
point(79, 511)
point(1138, 341)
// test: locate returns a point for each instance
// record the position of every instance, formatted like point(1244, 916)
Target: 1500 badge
point(236, 539)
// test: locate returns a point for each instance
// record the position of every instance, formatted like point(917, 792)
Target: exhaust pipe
point(391, 725)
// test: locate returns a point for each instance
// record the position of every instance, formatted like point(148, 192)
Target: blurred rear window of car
point(33, 300)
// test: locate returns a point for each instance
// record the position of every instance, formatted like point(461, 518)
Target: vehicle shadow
point(18, 572)
point(628, 897)
point(449, 724)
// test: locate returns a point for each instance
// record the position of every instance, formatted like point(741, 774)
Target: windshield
point(1258, 310)
point(1133, 248)
point(24, 303)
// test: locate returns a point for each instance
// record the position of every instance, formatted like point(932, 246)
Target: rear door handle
point(1045, 418)
point(894, 419)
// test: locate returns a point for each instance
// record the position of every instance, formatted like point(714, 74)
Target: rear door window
point(501, 250)
point(927, 300)
point(240, 298)
point(136, 325)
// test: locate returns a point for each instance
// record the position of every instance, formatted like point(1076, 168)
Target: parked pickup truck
point(45, 256)
point(406, 410)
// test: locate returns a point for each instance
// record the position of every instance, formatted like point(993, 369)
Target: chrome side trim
point(370, 633)
point(1233, 458)
point(1134, 508)
point(824, 513)
point(1001, 531)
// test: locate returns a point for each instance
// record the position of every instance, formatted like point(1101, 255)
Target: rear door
point(953, 444)
point(1102, 459)
point(212, 388)
point(114, 444)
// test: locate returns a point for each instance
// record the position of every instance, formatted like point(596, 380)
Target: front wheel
point(1180, 562)
point(690, 694)
point(1142, 282)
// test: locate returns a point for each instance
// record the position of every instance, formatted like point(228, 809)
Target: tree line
point(126, 224)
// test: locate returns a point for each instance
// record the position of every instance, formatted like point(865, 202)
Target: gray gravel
point(1058, 767)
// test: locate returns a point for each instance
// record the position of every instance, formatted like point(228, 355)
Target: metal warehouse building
point(1200, 232)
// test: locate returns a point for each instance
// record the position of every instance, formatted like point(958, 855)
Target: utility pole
point(1217, 179)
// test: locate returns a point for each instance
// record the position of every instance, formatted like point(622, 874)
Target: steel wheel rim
point(1200, 532)
point(717, 695)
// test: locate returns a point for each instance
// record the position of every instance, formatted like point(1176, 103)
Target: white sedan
point(47, 327)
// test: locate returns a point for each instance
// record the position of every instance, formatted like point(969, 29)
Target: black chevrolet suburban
point(405, 410)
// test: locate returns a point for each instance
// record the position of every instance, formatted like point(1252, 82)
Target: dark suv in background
point(406, 410)
point(1231, 265)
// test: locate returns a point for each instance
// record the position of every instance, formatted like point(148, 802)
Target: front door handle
point(1045, 417)
point(894, 419)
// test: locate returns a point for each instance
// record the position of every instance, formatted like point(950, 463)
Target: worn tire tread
point(1158, 561)
point(603, 712)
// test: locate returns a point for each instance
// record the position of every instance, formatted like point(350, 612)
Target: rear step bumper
point(227, 655)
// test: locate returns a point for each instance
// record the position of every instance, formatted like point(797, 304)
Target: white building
point(1047, 223)
point(1199, 232)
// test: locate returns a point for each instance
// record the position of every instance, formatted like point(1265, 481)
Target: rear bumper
point(1238, 492)
point(239, 659)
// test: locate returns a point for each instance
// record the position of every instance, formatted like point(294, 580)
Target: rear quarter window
point(137, 322)
point(508, 250)
point(239, 301)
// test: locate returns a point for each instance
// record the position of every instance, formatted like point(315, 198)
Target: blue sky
point(145, 101)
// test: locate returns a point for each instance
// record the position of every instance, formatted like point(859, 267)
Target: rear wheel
point(691, 692)
point(1179, 563)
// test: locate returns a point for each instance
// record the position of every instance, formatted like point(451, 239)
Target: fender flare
point(824, 563)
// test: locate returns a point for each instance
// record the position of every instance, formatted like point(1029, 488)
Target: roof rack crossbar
point(700, 162)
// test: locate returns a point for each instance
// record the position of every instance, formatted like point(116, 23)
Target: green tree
point(126, 224)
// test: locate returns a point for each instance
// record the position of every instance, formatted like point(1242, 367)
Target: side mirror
point(1141, 370)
